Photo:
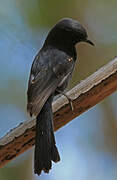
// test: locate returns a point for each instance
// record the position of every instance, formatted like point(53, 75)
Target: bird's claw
point(69, 100)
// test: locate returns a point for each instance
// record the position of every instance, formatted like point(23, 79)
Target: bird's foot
point(69, 100)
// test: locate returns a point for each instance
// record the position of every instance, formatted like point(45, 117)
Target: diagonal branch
point(85, 95)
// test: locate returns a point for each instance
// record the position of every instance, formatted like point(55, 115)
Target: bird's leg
point(68, 98)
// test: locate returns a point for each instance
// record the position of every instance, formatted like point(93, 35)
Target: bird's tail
point(45, 145)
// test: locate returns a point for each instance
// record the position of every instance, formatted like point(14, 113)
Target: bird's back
point(50, 69)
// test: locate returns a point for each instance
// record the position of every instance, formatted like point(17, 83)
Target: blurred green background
point(88, 145)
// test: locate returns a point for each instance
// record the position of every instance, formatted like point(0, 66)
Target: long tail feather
point(45, 145)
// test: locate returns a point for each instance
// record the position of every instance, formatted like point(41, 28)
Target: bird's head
point(68, 32)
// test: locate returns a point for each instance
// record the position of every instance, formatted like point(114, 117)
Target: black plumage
point(51, 71)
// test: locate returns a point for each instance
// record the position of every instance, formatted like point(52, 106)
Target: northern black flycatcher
point(51, 71)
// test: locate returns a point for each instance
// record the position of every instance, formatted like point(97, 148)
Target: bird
point(50, 74)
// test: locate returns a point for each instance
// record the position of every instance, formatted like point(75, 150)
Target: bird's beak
point(90, 42)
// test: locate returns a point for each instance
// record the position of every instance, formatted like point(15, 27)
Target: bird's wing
point(40, 88)
point(46, 75)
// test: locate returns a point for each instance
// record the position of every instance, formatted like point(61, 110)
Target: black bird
point(51, 71)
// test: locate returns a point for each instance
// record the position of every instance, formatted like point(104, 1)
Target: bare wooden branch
point(85, 95)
